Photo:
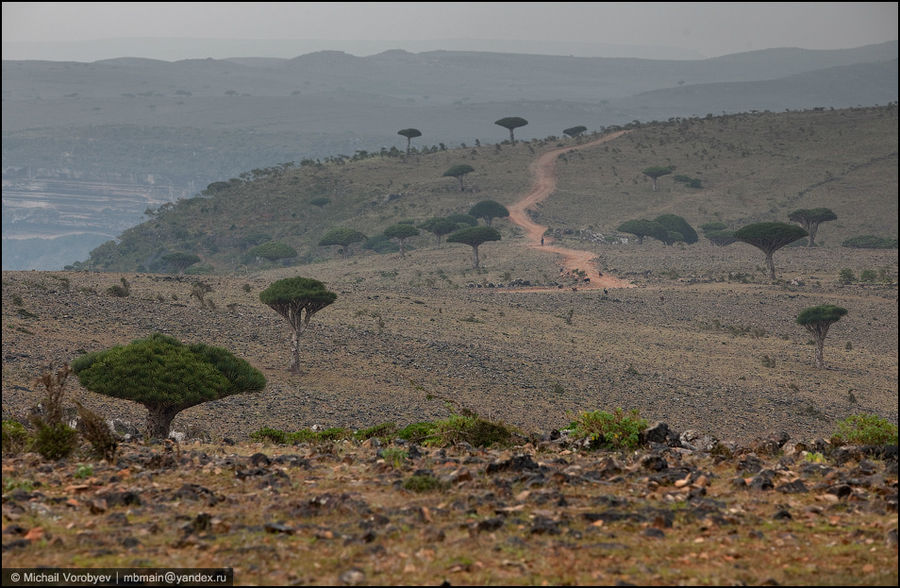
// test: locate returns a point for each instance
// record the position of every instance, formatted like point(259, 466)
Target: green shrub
point(865, 429)
point(382, 431)
point(15, 437)
point(270, 435)
point(472, 429)
point(273, 251)
point(334, 434)
point(846, 276)
point(303, 436)
point(618, 430)
point(122, 291)
point(83, 471)
point(10, 484)
point(55, 441)
point(868, 276)
point(870, 242)
point(417, 432)
point(395, 456)
point(423, 483)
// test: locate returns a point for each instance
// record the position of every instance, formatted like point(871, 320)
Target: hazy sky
point(707, 29)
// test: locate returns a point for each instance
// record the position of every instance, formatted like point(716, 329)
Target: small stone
point(352, 577)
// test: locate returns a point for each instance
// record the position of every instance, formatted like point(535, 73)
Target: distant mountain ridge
point(173, 127)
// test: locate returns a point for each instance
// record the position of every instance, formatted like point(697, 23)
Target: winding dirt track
point(544, 171)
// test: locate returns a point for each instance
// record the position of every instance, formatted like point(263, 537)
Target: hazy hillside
point(752, 167)
point(166, 129)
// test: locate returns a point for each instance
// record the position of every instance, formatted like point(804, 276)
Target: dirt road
point(544, 171)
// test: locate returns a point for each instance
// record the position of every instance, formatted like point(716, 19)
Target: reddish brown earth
point(544, 171)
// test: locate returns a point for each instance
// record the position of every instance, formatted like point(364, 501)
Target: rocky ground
point(703, 342)
point(717, 350)
point(544, 512)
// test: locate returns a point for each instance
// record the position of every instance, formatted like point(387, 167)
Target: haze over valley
point(88, 148)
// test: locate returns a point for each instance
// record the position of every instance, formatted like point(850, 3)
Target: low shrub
point(870, 242)
point(423, 483)
point(383, 431)
point(95, 430)
point(417, 432)
point(846, 276)
point(395, 456)
point(270, 435)
point(865, 429)
point(468, 427)
point(617, 430)
point(55, 441)
point(15, 437)
point(83, 471)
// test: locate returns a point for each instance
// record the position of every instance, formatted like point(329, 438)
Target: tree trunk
point(654, 184)
point(512, 137)
point(295, 353)
point(640, 239)
point(770, 263)
point(402, 249)
point(475, 256)
point(820, 356)
point(811, 229)
point(159, 420)
point(408, 141)
point(460, 178)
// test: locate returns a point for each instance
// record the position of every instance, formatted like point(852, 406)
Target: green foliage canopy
point(439, 226)
point(511, 123)
point(273, 251)
point(458, 171)
point(644, 228)
point(401, 232)
point(179, 261)
point(655, 172)
point(574, 131)
point(166, 376)
point(410, 134)
point(817, 320)
point(677, 224)
point(343, 237)
point(297, 299)
point(870, 242)
point(489, 210)
point(474, 236)
point(721, 238)
point(769, 237)
point(810, 219)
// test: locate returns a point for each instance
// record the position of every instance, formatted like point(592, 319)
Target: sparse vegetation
point(615, 430)
point(870, 242)
point(15, 437)
point(865, 429)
